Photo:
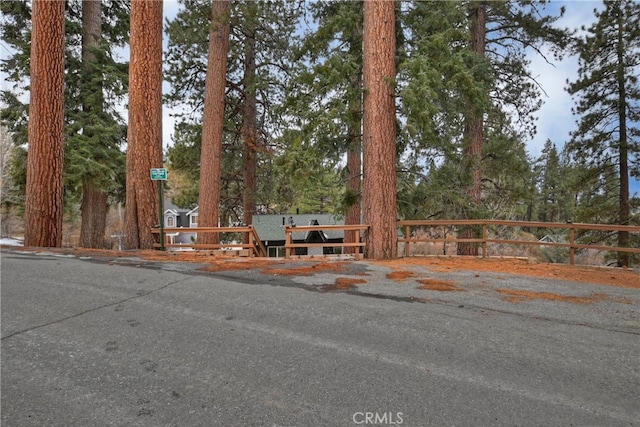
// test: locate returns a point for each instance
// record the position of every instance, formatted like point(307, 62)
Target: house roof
point(169, 206)
point(552, 239)
point(271, 227)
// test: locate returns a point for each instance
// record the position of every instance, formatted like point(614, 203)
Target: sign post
point(160, 175)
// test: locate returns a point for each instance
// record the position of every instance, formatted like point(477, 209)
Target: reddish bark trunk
point(379, 148)
point(474, 127)
point(145, 123)
point(250, 133)
point(474, 130)
point(354, 179)
point(353, 215)
point(213, 121)
point(623, 209)
point(44, 192)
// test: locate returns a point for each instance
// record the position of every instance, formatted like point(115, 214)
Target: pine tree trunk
point(249, 177)
point(249, 131)
point(94, 200)
point(145, 123)
point(624, 211)
point(354, 150)
point(473, 153)
point(213, 121)
point(354, 171)
point(379, 145)
point(354, 174)
point(474, 128)
point(44, 191)
point(94, 216)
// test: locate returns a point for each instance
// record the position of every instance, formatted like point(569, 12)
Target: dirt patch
point(585, 274)
point(213, 265)
point(517, 296)
point(306, 270)
point(438, 285)
point(343, 284)
point(400, 275)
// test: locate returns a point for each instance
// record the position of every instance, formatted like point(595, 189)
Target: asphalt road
point(95, 343)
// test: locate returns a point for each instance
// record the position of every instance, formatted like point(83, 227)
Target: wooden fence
point(289, 230)
point(572, 243)
point(255, 247)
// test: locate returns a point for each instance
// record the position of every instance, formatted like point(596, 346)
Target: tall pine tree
point(550, 184)
point(257, 67)
point(95, 159)
point(213, 120)
point(44, 196)
point(95, 83)
point(326, 101)
point(379, 130)
point(608, 100)
point(501, 32)
point(145, 123)
point(468, 95)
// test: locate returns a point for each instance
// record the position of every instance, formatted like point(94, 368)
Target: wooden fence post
point(572, 248)
point(484, 240)
point(406, 244)
point(287, 242)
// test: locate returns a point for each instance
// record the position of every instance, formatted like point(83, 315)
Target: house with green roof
point(270, 229)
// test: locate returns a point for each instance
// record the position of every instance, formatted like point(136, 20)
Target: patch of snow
point(46, 253)
point(8, 241)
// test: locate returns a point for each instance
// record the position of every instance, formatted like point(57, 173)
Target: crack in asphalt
point(139, 294)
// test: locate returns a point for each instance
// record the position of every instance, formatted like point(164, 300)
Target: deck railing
point(484, 240)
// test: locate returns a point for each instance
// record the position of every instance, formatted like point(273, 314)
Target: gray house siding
point(178, 217)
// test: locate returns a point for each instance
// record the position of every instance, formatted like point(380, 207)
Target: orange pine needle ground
point(518, 296)
point(438, 285)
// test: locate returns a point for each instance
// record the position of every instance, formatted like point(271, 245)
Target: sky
point(555, 119)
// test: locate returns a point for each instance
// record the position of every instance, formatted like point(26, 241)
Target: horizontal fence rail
point(572, 244)
point(254, 246)
point(289, 230)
